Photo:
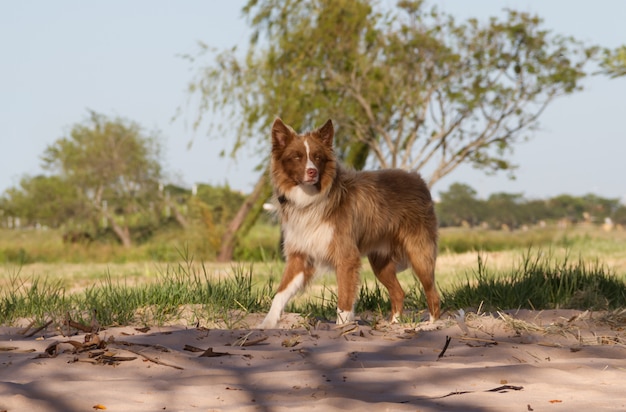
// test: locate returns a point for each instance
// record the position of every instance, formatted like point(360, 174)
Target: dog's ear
point(281, 134)
point(326, 133)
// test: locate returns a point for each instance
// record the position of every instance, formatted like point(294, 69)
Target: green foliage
point(614, 63)
point(222, 201)
point(408, 87)
point(261, 244)
point(44, 200)
point(104, 173)
point(459, 206)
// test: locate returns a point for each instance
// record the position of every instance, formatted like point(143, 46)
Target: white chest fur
point(305, 232)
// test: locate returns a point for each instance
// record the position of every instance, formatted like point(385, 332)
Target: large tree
point(114, 168)
point(408, 87)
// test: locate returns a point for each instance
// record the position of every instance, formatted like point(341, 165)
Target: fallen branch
point(499, 389)
point(158, 347)
point(154, 360)
point(39, 329)
point(445, 347)
point(487, 341)
point(27, 328)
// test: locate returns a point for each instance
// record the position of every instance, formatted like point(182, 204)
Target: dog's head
point(305, 162)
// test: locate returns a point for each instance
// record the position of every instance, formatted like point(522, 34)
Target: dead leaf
point(51, 350)
point(246, 341)
point(190, 348)
point(209, 353)
point(99, 407)
point(93, 339)
point(290, 343)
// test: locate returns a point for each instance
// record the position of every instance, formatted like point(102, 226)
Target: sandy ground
point(513, 361)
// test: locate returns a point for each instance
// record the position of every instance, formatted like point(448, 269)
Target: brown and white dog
point(331, 216)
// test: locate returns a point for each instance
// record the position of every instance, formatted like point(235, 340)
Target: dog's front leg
point(298, 272)
point(347, 286)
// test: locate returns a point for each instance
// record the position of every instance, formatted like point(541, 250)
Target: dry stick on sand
point(39, 329)
point(445, 347)
point(499, 389)
point(154, 360)
point(160, 348)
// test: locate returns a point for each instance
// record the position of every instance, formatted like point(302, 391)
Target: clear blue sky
point(121, 58)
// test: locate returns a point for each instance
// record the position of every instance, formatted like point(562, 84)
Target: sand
point(553, 360)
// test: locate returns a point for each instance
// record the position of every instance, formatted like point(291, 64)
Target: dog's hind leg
point(423, 259)
point(297, 274)
point(385, 270)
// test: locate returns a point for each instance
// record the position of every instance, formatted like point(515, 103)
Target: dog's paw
point(268, 323)
point(344, 316)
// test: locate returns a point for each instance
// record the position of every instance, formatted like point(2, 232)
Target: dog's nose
point(311, 172)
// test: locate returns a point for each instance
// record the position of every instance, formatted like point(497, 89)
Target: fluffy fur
point(331, 216)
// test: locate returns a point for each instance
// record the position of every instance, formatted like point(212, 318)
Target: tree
point(407, 87)
point(114, 168)
point(458, 205)
point(45, 200)
point(505, 209)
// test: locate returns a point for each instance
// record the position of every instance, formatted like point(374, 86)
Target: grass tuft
point(539, 282)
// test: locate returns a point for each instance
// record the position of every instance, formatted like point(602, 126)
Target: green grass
point(149, 292)
point(190, 294)
point(460, 240)
point(179, 293)
point(540, 282)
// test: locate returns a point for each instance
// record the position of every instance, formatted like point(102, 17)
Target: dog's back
point(384, 212)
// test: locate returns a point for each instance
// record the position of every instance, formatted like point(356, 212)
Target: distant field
point(500, 251)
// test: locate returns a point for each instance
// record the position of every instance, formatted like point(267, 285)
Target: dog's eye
point(317, 157)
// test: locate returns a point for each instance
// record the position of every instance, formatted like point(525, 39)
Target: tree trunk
point(230, 236)
point(180, 219)
point(123, 234)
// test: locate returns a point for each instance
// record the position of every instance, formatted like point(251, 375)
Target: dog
point(331, 216)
